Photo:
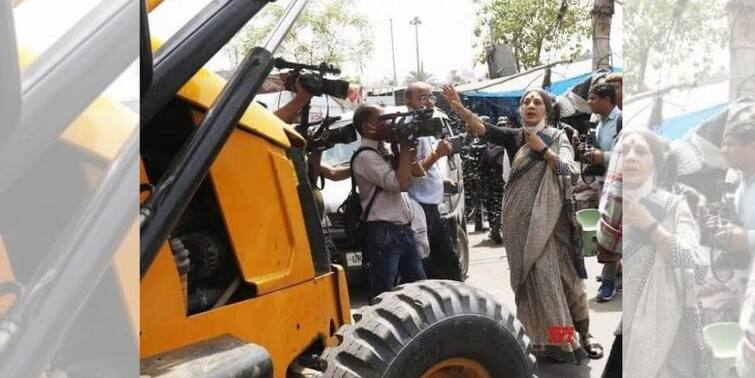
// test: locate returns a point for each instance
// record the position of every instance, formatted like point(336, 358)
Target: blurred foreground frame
point(69, 299)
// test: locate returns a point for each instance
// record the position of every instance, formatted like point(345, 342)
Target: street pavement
point(489, 271)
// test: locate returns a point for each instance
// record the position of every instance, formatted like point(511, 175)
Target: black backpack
point(354, 217)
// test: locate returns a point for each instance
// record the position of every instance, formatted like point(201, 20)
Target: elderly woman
point(542, 239)
point(663, 264)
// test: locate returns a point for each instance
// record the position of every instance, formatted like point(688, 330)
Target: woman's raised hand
point(636, 215)
point(533, 141)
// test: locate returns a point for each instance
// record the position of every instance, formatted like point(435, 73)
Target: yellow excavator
point(236, 279)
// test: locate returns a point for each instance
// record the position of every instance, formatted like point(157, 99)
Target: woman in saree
point(664, 266)
point(540, 233)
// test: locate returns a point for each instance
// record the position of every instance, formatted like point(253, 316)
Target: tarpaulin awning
point(500, 97)
point(679, 126)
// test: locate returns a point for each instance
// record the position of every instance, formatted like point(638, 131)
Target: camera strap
point(366, 212)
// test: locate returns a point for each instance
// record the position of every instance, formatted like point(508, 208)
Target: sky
point(445, 35)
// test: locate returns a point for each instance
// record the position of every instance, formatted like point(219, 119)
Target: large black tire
point(462, 251)
point(416, 326)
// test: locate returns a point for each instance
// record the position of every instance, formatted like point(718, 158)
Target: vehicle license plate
point(354, 259)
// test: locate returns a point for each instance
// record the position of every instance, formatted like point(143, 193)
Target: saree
point(543, 242)
point(662, 328)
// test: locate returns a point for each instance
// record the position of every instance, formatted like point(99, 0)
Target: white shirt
point(744, 200)
point(427, 189)
point(372, 170)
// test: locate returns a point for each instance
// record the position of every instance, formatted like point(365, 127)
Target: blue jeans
point(391, 252)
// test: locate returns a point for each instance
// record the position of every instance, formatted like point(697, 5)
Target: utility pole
point(741, 48)
point(393, 54)
point(416, 22)
point(601, 34)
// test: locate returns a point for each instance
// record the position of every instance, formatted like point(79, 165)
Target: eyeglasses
point(428, 98)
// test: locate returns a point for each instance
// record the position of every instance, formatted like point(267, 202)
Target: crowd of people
point(651, 235)
point(655, 216)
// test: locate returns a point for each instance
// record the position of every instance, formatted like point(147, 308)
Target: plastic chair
point(722, 339)
point(588, 219)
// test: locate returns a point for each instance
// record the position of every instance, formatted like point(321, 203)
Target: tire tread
point(371, 344)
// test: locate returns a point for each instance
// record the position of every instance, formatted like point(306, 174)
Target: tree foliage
point(421, 76)
point(326, 31)
point(663, 34)
point(534, 29)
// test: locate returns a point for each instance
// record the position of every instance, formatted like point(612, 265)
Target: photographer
point(291, 113)
point(602, 100)
point(616, 79)
point(389, 244)
point(428, 191)
point(739, 150)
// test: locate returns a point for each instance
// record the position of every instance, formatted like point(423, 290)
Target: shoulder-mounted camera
point(408, 126)
point(312, 78)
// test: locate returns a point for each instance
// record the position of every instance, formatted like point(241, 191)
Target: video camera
point(408, 126)
point(582, 153)
point(717, 216)
point(324, 138)
point(314, 80)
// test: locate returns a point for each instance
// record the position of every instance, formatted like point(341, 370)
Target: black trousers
point(493, 184)
point(443, 262)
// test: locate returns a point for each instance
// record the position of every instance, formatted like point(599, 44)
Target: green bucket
point(588, 219)
point(722, 339)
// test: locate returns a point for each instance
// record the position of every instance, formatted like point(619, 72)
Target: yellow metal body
point(255, 184)
point(99, 131)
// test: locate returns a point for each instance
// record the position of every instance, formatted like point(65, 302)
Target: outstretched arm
point(472, 121)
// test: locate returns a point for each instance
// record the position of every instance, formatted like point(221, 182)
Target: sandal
point(593, 348)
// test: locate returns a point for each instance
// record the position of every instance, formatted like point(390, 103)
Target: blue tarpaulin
point(506, 103)
point(557, 88)
point(677, 127)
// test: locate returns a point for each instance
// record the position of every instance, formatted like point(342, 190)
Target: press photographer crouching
point(388, 240)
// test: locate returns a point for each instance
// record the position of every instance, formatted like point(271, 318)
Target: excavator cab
point(236, 279)
point(231, 246)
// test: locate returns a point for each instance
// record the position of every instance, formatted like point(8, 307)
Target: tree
point(533, 28)
point(421, 76)
point(602, 12)
point(664, 34)
point(326, 31)
point(742, 57)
